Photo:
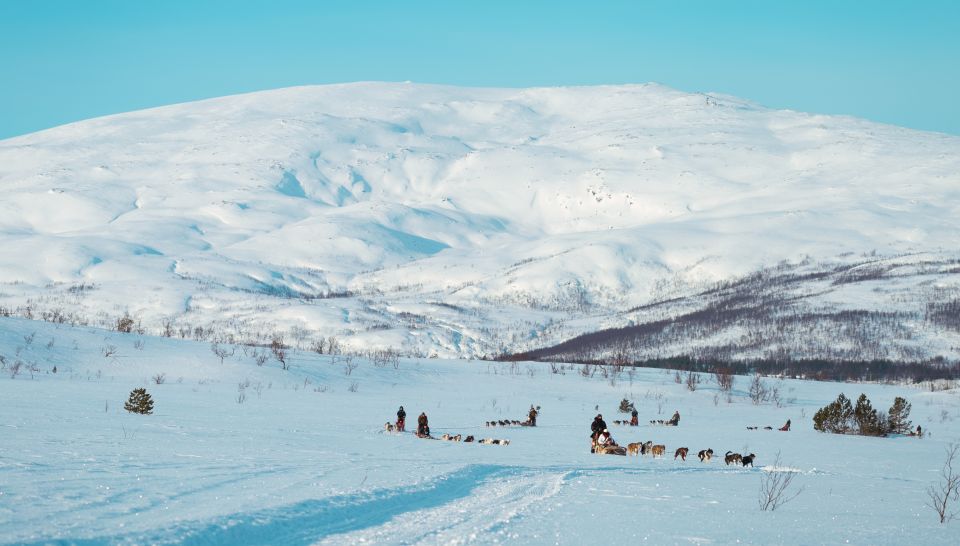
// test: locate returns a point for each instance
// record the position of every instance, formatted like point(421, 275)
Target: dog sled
point(610, 450)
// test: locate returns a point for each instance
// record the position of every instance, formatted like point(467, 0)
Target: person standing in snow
point(423, 429)
point(532, 416)
point(634, 418)
point(675, 420)
point(401, 419)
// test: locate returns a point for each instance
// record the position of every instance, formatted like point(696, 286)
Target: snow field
point(305, 460)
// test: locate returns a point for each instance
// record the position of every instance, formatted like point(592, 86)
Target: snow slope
point(461, 221)
point(303, 458)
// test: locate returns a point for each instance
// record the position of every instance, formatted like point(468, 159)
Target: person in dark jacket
point(634, 418)
point(401, 419)
point(675, 420)
point(532, 417)
point(596, 427)
point(423, 429)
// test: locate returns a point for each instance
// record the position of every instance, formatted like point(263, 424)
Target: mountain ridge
point(525, 208)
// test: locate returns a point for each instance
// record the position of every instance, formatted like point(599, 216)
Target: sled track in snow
point(457, 508)
point(407, 514)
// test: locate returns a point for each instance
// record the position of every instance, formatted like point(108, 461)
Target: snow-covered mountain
point(465, 222)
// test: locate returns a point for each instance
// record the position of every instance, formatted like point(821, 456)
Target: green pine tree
point(843, 414)
point(821, 419)
point(139, 402)
point(866, 418)
point(835, 417)
point(898, 416)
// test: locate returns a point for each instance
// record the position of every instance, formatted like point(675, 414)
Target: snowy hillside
point(237, 453)
point(465, 222)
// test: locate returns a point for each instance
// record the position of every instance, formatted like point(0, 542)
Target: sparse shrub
point(333, 346)
point(160, 378)
point(242, 391)
point(222, 352)
point(125, 324)
point(279, 351)
point(28, 339)
point(260, 358)
point(140, 402)
point(354, 386)
point(138, 344)
point(774, 485)
point(723, 377)
point(693, 379)
point(948, 490)
point(381, 359)
point(757, 389)
point(349, 365)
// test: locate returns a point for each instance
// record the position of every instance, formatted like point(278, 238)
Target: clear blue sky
point(891, 61)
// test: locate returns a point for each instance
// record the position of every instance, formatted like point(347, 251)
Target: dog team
point(423, 428)
point(600, 439)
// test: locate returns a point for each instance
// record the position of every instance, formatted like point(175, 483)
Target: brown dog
point(658, 450)
point(634, 448)
point(681, 452)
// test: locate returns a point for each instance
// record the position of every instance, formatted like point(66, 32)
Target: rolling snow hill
point(466, 222)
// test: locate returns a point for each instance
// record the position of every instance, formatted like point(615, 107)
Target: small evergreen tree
point(844, 414)
point(626, 406)
point(868, 421)
point(898, 421)
point(836, 417)
point(139, 402)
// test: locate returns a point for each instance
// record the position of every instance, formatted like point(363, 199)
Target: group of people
point(600, 436)
point(423, 426)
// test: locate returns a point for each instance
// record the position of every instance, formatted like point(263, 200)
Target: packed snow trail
point(312, 520)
